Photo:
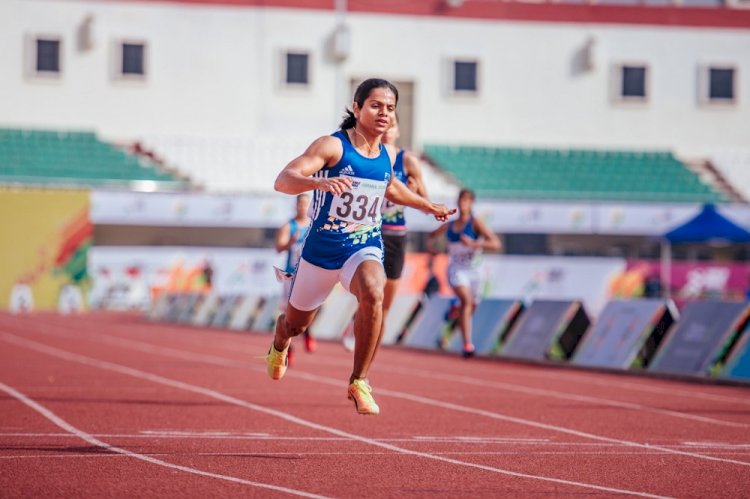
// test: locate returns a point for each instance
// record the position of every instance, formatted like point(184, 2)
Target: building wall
point(215, 70)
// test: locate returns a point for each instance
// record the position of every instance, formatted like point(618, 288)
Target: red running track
point(111, 405)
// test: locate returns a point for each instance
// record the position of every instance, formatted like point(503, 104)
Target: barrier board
point(626, 334)
point(334, 315)
point(227, 305)
point(266, 317)
point(548, 329)
point(205, 311)
point(402, 308)
point(738, 364)
point(701, 338)
point(491, 322)
point(429, 323)
point(244, 313)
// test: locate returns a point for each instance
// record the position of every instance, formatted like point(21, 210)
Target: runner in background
point(406, 169)
point(467, 238)
point(290, 238)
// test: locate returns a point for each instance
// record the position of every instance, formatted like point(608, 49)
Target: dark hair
point(361, 94)
point(467, 192)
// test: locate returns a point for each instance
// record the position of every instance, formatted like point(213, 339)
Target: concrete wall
point(216, 70)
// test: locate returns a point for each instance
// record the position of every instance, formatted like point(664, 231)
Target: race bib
point(361, 204)
point(462, 255)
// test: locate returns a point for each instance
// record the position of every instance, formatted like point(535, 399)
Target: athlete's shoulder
point(328, 147)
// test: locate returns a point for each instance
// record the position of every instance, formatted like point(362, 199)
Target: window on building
point(634, 82)
point(47, 55)
point(297, 68)
point(133, 59)
point(721, 83)
point(465, 76)
point(630, 83)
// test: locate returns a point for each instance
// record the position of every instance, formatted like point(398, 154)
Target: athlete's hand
point(441, 212)
point(335, 185)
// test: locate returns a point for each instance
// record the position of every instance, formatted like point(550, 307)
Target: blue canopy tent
point(709, 227)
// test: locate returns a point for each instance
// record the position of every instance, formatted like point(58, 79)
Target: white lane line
point(564, 396)
point(738, 447)
point(136, 373)
point(471, 381)
point(324, 454)
point(58, 421)
point(226, 362)
point(198, 339)
point(635, 386)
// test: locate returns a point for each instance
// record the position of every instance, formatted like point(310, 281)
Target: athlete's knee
point(290, 329)
point(371, 293)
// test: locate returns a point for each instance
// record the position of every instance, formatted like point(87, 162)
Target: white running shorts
point(313, 284)
point(461, 276)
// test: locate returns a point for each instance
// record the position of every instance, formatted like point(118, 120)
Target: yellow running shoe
point(276, 362)
point(361, 393)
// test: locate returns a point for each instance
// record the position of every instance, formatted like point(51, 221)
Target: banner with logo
point(130, 277)
point(46, 239)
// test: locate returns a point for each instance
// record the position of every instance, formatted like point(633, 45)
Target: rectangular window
point(634, 82)
point(47, 56)
point(129, 60)
point(133, 59)
point(465, 76)
point(718, 84)
point(721, 83)
point(297, 70)
point(630, 83)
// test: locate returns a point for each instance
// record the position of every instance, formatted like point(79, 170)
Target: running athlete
point(406, 169)
point(350, 172)
point(290, 237)
point(467, 237)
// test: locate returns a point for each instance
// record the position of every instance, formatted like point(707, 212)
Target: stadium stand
point(734, 166)
point(67, 158)
point(572, 174)
point(249, 164)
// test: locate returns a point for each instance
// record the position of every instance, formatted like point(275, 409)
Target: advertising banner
point(129, 277)
point(46, 237)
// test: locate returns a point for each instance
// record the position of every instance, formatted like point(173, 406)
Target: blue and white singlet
point(295, 250)
point(459, 254)
point(393, 214)
point(342, 225)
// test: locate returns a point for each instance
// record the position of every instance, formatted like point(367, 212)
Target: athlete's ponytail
point(361, 94)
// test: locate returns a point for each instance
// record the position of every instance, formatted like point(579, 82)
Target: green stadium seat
point(571, 174)
point(71, 157)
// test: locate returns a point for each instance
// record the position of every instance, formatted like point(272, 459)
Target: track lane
point(448, 475)
point(244, 339)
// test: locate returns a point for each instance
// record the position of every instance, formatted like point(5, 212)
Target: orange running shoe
point(277, 362)
point(361, 393)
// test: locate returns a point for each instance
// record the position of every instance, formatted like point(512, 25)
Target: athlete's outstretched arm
point(488, 241)
point(296, 177)
point(432, 237)
point(400, 194)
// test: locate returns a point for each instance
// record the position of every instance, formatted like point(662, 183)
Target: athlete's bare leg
point(291, 323)
point(367, 286)
point(466, 309)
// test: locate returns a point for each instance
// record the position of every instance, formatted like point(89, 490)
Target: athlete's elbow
point(281, 185)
